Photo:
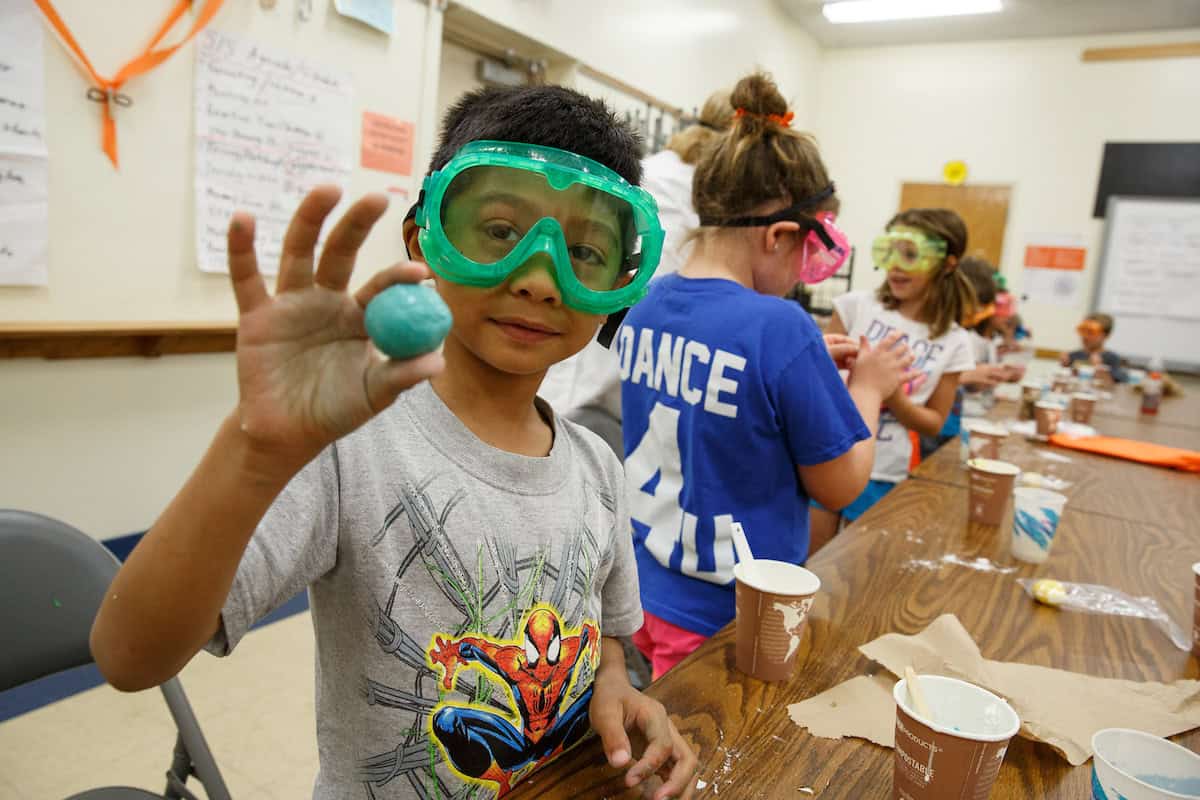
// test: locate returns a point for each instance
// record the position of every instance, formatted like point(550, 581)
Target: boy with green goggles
point(499, 206)
point(485, 540)
point(909, 251)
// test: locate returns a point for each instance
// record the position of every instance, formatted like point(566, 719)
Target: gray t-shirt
point(458, 593)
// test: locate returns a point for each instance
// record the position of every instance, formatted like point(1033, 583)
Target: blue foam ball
point(407, 319)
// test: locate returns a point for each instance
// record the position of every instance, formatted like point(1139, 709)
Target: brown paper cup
point(773, 600)
point(1082, 406)
point(1048, 415)
point(1196, 614)
point(1103, 378)
point(957, 754)
point(990, 483)
point(1030, 394)
point(984, 438)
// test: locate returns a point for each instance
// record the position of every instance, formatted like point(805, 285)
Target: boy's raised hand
point(886, 366)
point(307, 373)
point(617, 707)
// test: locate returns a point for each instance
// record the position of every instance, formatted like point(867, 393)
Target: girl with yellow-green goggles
point(497, 206)
point(909, 251)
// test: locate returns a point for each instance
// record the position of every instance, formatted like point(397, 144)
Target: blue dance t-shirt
point(724, 392)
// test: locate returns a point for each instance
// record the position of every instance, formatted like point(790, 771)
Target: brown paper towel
point(1062, 709)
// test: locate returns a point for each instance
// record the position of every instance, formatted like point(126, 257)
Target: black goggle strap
point(609, 329)
point(795, 213)
point(412, 213)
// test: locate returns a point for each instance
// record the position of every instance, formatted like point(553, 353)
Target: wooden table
point(885, 574)
point(1100, 485)
point(1175, 411)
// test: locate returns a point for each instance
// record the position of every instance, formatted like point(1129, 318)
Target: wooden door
point(983, 208)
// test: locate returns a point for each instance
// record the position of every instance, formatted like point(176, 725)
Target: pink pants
point(664, 644)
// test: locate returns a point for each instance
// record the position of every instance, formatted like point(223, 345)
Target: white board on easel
point(1149, 279)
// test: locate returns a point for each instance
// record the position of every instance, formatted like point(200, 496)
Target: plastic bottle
point(1151, 393)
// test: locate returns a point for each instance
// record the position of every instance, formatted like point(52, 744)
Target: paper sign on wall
point(24, 167)
point(269, 127)
point(375, 13)
point(1054, 269)
point(386, 143)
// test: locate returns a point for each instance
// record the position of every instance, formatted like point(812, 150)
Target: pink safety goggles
point(824, 249)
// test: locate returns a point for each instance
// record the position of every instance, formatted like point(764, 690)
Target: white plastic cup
point(1134, 765)
point(1036, 514)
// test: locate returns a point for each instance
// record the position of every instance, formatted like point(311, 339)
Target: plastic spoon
point(740, 545)
point(916, 694)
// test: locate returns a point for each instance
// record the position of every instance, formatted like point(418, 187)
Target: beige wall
point(677, 50)
point(1026, 113)
point(104, 443)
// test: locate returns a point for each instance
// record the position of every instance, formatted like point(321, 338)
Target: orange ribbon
point(106, 90)
point(779, 119)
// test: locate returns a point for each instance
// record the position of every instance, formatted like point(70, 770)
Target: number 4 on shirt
point(658, 508)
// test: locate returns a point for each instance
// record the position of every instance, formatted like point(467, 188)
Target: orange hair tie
point(783, 120)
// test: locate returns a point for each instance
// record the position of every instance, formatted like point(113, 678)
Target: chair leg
point(177, 776)
point(196, 751)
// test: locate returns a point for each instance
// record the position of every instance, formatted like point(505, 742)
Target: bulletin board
point(123, 242)
point(1149, 279)
point(983, 208)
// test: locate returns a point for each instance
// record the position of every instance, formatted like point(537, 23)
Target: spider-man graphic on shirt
point(538, 668)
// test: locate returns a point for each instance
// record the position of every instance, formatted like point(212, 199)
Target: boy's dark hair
point(1104, 321)
point(551, 116)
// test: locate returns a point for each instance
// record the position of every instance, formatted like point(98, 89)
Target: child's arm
point(876, 373)
point(617, 706)
point(306, 376)
point(929, 418)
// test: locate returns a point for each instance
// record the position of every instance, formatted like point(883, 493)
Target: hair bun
point(758, 94)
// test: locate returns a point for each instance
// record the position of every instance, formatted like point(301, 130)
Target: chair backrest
point(52, 579)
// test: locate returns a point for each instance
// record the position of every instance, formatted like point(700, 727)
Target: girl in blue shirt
point(733, 407)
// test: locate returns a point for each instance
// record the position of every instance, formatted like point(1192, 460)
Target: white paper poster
point(1054, 264)
point(269, 127)
point(24, 210)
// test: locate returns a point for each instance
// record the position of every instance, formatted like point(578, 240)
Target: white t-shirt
point(863, 315)
point(591, 378)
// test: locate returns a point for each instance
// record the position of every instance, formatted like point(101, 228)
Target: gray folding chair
point(52, 579)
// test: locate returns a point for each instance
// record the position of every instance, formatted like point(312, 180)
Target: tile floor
point(255, 708)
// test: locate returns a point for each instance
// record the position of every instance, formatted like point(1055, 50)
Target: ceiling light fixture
point(847, 11)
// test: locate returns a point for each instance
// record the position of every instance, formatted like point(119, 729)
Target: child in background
point(1093, 333)
point(981, 327)
point(733, 409)
point(986, 328)
point(924, 298)
point(467, 553)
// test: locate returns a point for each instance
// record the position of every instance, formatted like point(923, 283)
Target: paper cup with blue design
point(956, 753)
point(1132, 765)
point(1036, 513)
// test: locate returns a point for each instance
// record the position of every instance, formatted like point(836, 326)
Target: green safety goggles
point(911, 252)
point(497, 206)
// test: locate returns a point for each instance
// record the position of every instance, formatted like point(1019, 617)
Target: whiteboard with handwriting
point(1149, 278)
point(126, 244)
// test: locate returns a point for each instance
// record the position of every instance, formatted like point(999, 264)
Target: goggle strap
point(783, 215)
point(609, 329)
